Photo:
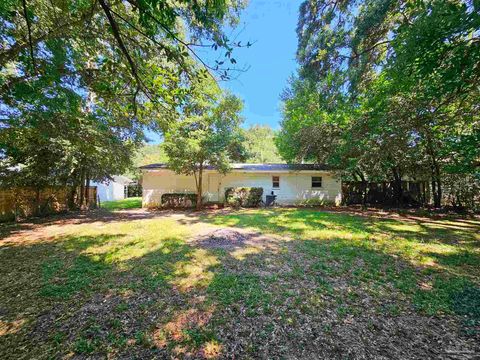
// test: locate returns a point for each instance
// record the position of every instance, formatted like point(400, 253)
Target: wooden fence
point(413, 193)
point(22, 203)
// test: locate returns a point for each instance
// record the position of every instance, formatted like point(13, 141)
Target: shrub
point(179, 200)
point(243, 196)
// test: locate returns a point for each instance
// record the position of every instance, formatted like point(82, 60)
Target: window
point(316, 181)
point(276, 182)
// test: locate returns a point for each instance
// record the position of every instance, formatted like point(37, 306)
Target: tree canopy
point(386, 90)
point(208, 134)
point(260, 145)
point(80, 81)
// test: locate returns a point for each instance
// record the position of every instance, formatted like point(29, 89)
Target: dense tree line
point(389, 90)
point(260, 145)
point(81, 80)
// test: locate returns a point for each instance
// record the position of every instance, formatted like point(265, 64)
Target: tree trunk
point(397, 187)
point(424, 193)
point(364, 188)
point(71, 197)
point(438, 194)
point(73, 190)
point(82, 187)
point(199, 188)
point(435, 168)
point(436, 186)
point(37, 202)
point(87, 190)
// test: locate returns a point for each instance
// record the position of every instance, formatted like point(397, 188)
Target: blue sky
point(270, 25)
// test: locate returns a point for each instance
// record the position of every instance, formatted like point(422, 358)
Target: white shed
point(115, 189)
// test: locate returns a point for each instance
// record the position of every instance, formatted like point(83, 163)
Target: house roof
point(121, 179)
point(256, 167)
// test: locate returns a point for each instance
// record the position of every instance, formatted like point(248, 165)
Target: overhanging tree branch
point(123, 48)
point(185, 44)
point(168, 51)
point(29, 29)
point(118, 38)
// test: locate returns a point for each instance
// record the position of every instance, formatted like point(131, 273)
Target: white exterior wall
point(110, 192)
point(295, 187)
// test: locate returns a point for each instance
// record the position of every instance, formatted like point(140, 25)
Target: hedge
point(178, 200)
point(243, 196)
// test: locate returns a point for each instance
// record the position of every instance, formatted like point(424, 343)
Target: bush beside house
point(178, 200)
point(243, 196)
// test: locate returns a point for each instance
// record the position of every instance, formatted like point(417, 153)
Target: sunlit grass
point(195, 271)
point(406, 253)
point(415, 241)
point(111, 286)
point(127, 240)
point(125, 204)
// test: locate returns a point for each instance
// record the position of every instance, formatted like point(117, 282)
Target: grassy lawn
point(129, 203)
point(300, 284)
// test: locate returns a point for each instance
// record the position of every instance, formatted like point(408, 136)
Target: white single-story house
point(114, 189)
point(292, 183)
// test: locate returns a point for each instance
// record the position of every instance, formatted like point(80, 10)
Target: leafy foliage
point(208, 134)
point(81, 81)
point(181, 200)
point(260, 145)
point(244, 196)
point(386, 90)
point(144, 155)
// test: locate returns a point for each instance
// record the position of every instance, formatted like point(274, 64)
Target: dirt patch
point(223, 238)
point(233, 238)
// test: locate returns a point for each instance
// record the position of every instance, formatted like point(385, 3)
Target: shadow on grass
point(391, 235)
point(64, 294)
point(112, 295)
point(99, 216)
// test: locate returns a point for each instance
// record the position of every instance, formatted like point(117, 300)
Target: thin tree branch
point(133, 67)
point(25, 14)
point(162, 46)
point(185, 44)
point(369, 49)
point(118, 38)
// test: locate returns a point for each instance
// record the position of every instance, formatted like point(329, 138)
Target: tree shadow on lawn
point(97, 216)
point(58, 292)
point(413, 239)
point(103, 295)
point(329, 299)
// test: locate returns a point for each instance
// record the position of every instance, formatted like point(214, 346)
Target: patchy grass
point(314, 284)
point(129, 203)
point(442, 255)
